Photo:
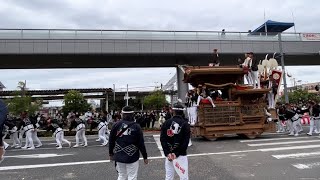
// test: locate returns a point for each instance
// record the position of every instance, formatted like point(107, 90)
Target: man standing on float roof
point(175, 135)
point(216, 61)
point(125, 143)
point(254, 71)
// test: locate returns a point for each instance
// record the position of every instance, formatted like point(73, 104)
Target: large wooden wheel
point(252, 135)
point(242, 136)
point(210, 138)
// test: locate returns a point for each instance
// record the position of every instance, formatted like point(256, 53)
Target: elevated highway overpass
point(63, 48)
point(72, 48)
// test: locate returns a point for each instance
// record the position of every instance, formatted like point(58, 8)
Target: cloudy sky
point(232, 15)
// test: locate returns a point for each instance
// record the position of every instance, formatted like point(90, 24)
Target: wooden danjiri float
point(240, 109)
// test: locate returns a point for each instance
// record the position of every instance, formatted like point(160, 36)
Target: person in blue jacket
point(125, 144)
point(174, 137)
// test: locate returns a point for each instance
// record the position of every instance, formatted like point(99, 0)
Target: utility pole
point(107, 101)
point(114, 92)
point(127, 96)
point(285, 89)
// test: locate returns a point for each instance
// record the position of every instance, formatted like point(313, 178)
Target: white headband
point(127, 112)
point(181, 109)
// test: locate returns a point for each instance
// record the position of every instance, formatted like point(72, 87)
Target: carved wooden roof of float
point(196, 75)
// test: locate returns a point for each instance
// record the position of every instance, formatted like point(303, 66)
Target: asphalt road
point(270, 157)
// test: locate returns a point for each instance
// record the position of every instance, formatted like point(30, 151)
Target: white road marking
point(297, 155)
point(157, 140)
point(289, 148)
point(50, 165)
point(238, 155)
point(106, 161)
point(161, 157)
point(283, 143)
point(306, 166)
point(274, 139)
point(38, 156)
point(221, 153)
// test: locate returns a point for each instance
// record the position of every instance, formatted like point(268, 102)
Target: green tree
point(22, 102)
point(301, 96)
point(75, 102)
point(155, 100)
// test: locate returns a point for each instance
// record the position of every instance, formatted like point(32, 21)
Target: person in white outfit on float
point(254, 71)
point(247, 64)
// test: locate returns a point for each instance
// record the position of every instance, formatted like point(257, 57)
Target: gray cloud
point(232, 15)
point(165, 15)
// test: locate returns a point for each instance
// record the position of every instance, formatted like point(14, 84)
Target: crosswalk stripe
point(289, 148)
point(157, 140)
point(307, 166)
point(282, 143)
point(274, 139)
point(297, 155)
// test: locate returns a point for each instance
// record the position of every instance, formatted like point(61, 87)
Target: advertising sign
point(310, 37)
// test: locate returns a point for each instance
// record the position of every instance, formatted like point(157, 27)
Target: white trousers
point(102, 135)
point(35, 137)
point(295, 129)
point(14, 137)
point(289, 124)
point(188, 113)
point(255, 79)
point(29, 140)
point(170, 171)
point(60, 139)
point(209, 98)
point(271, 100)
point(81, 134)
point(313, 126)
point(248, 77)
point(280, 127)
point(21, 132)
point(5, 145)
point(299, 125)
point(317, 125)
point(192, 114)
point(128, 171)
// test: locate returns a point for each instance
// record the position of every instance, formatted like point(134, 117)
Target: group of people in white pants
point(293, 123)
point(17, 138)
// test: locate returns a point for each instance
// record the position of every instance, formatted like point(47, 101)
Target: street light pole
point(285, 89)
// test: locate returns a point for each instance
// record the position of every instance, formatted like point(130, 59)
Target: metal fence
point(146, 35)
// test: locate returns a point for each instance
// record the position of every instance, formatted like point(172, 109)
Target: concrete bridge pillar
point(182, 87)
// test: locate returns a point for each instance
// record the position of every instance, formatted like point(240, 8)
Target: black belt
point(57, 133)
point(102, 127)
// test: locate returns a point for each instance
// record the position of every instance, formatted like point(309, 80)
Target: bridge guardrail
point(149, 35)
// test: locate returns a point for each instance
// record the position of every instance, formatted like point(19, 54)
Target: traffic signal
point(317, 87)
